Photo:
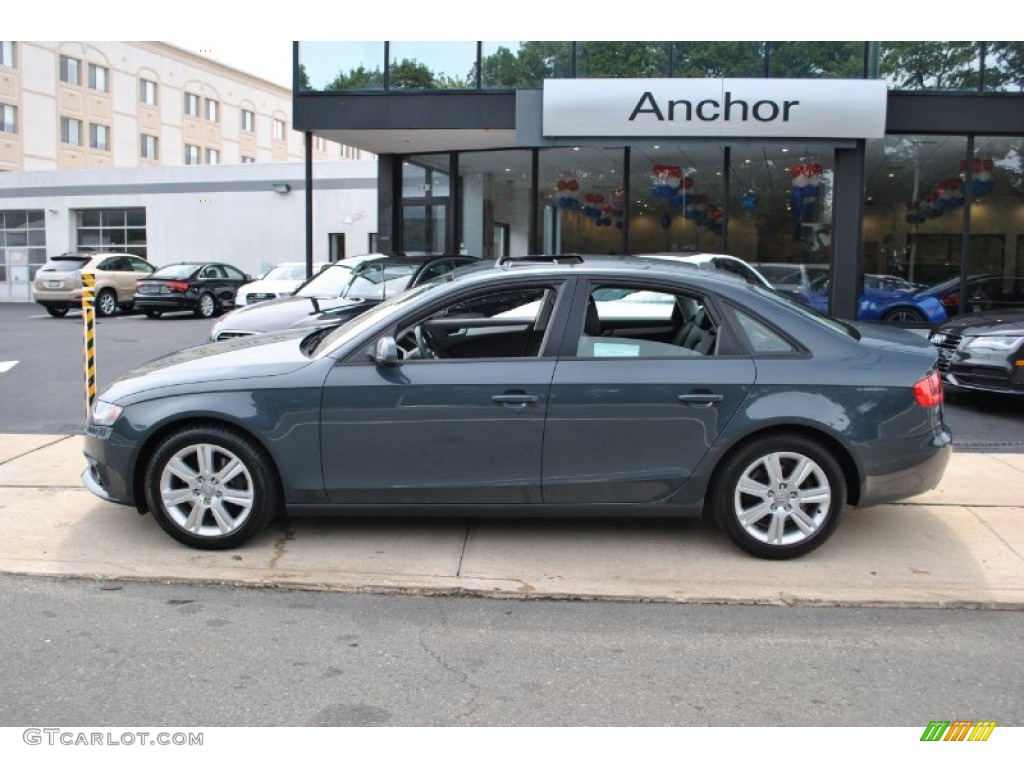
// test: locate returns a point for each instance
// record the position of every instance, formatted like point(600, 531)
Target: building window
point(112, 229)
point(98, 77)
point(71, 131)
point(147, 92)
point(320, 143)
point(8, 118)
point(191, 105)
point(99, 136)
point(149, 147)
point(212, 110)
point(213, 157)
point(278, 130)
point(248, 121)
point(247, 159)
point(191, 154)
point(6, 53)
point(70, 70)
point(26, 230)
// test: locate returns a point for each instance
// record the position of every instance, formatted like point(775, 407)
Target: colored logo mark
point(958, 730)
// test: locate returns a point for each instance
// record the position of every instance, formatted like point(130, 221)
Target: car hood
point(893, 339)
point(272, 354)
point(986, 323)
point(285, 312)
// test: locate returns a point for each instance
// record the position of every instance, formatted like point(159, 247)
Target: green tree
point(357, 79)
point(622, 59)
point(410, 74)
point(1007, 73)
point(816, 59)
point(950, 66)
point(718, 59)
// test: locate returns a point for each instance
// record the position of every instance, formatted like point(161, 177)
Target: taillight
point(953, 300)
point(928, 391)
point(177, 286)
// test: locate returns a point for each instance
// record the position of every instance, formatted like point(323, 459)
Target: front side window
point(8, 118)
point(191, 105)
point(70, 70)
point(99, 136)
point(191, 154)
point(71, 131)
point(147, 92)
point(98, 77)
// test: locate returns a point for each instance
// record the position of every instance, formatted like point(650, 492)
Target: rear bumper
point(915, 479)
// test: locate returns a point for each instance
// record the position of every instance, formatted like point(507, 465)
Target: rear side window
point(762, 339)
point(65, 263)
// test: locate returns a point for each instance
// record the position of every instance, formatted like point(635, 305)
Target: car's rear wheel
point(106, 303)
point(903, 315)
point(207, 306)
point(153, 313)
point(57, 310)
point(211, 487)
point(779, 496)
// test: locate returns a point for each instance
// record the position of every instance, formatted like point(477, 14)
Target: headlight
point(995, 343)
point(104, 414)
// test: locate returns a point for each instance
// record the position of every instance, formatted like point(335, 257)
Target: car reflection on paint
point(604, 387)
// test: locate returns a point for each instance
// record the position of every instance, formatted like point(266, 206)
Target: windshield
point(328, 284)
point(287, 272)
point(176, 270)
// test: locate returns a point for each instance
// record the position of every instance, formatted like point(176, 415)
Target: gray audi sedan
point(594, 387)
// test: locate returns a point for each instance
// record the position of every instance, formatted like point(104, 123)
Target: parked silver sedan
point(609, 387)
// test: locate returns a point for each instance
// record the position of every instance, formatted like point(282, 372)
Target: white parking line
point(6, 365)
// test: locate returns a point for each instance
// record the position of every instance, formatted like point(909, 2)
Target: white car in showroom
point(282, 280)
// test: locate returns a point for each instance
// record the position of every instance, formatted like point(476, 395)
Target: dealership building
point(867, 158)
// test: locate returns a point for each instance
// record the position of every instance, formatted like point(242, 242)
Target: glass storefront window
point(718, 59)
point(495, 191)
point(338, 66)
point(524, 64)
point(423, 228)
point(582, 200)
point(432, 65)
point(113, 229)
point(928, 65)
point(816, 59)
point(621, 59)
point(425, 176)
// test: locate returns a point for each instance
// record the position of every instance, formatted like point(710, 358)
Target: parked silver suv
point(58, 283)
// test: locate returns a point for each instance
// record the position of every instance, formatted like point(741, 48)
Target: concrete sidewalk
point(959, 545)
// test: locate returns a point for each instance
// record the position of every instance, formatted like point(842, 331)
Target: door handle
point(519, 400)
point(703, 400)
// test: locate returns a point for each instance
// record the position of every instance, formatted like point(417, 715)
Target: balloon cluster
point(568, 194)
point(949, 193)
point(598, 208)
point(667, 180)
point(804, 192)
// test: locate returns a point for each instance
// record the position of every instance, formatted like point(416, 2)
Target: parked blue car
point(880, 300)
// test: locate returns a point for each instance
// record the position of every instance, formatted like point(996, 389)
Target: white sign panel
point(750, 108)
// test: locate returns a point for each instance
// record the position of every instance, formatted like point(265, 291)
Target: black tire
point(903, 315)
point(153, 313)
point(57, 310)
point(198, 505)
point(206, 306)
point(760, 501)
point(105, 303)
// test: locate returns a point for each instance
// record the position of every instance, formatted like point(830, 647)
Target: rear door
point(632, 414)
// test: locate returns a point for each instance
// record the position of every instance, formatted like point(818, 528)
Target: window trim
point(65, 69)
point(68, 121)
point(9, 61)
point(191, 104)
point(188, 155)
point(155, 145)
point(93, 70)
point(13, 111)
point(94, 132)
point(144, 92)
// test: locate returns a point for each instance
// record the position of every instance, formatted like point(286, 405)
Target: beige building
point(82, 105)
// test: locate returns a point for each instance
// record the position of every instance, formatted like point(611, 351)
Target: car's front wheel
point(207, 306)
point(211, 487)
point(779, 496)
point(903, 315)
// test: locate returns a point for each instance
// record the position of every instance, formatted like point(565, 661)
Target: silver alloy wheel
point(782, 498)
point(207, 490)
point(904, 315)
point(206, 305)
point(106, 303)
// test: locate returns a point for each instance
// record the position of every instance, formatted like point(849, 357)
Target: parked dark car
point(880, 300)
point(983, 351)
point(337, 293)
point(984, 293)
point(204, 288)
point(535, 389)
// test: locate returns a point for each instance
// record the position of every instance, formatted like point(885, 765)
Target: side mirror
point(386, 352)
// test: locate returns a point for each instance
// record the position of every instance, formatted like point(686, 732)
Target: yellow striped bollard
point(89, 323)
